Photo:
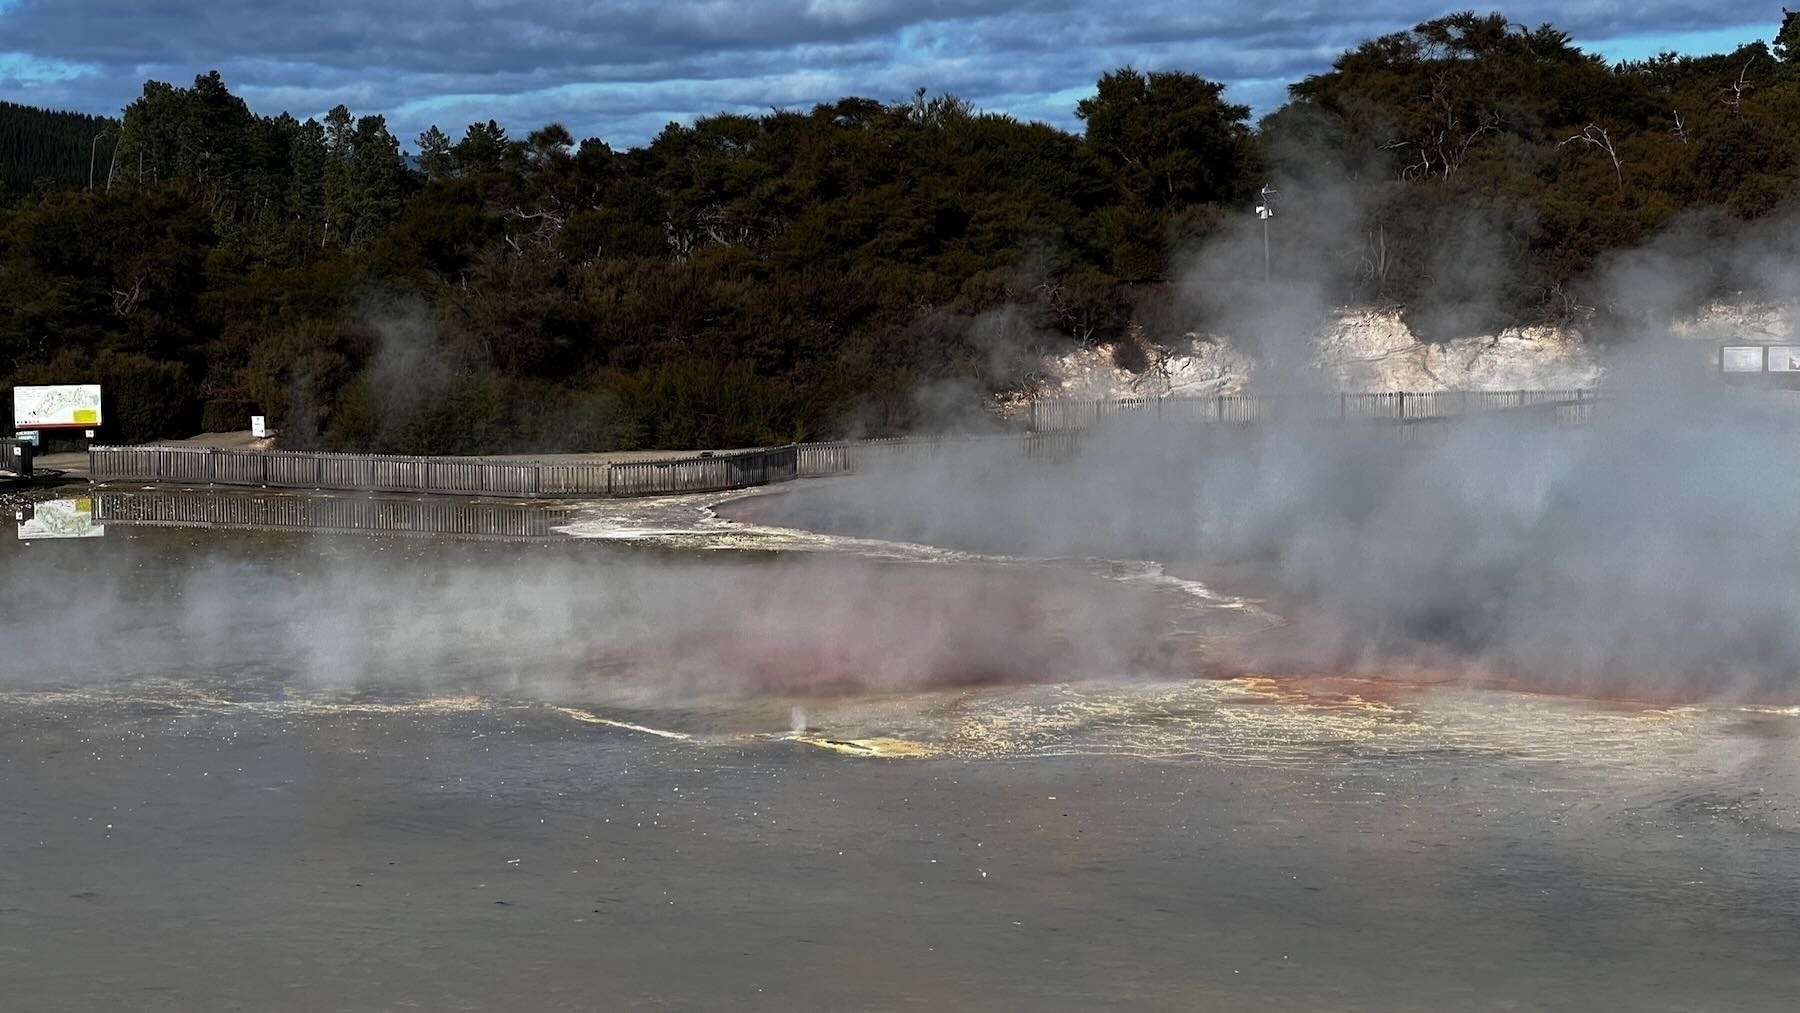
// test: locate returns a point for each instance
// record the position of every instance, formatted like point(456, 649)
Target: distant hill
point(44, 144)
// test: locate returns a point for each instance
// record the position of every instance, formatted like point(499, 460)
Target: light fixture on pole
point(1265, 211)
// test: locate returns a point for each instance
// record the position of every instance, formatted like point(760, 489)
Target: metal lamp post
point(1265, 211)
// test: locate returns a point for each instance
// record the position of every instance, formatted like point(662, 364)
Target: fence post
point(1403, 406)
point(1343, 405)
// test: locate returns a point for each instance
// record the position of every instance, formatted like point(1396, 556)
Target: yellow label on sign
point(86, 415)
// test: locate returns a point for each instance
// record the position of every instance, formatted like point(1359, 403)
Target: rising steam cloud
point(1652, 552)
point(547, 621)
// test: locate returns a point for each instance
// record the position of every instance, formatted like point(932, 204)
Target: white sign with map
point(1784, 359)
point(1741, 358)
point(67, 406)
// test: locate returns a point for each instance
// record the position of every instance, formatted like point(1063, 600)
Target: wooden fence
point(1056, 434)
point(453, 476)
point(1246, 409)
point(478, 477)
point(845, 457)
point(703, 474)
point(358, 515)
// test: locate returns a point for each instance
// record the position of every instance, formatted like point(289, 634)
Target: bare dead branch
point(1732, 95)
point(126, 300)
point(1597, 137)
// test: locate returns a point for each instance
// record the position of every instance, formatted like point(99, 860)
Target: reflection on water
point(268, 769)
point(375, 515)
point(58, 518)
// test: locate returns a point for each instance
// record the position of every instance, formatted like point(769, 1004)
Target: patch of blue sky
point(28, 70)
point(1056, 108)
point(1698, 42)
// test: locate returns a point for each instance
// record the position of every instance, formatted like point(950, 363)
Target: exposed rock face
point(1742, 323)
point(1372, 350)
point(1203, 367)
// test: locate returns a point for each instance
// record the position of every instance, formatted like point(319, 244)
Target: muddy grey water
point(281, 771)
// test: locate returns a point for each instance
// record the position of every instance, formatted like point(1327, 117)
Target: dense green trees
point(755, 279)
point(53, 149)
point(1491, 167)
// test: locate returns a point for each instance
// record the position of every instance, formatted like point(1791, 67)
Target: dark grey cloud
point(621, 68)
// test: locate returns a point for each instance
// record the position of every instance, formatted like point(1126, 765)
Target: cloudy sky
point(620, 69)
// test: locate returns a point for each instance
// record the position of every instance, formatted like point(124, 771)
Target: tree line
point(855, 268)
point(40, 146)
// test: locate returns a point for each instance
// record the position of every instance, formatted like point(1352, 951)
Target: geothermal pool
point(670, 761)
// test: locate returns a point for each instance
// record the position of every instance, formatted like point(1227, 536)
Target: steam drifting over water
point(580, 620)
point(1650, 553)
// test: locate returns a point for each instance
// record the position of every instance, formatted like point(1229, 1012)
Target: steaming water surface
point(681, 763)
